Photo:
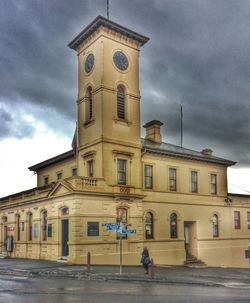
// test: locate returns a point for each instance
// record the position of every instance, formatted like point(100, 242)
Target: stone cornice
point(101, 21)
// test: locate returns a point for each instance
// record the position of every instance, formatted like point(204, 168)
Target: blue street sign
point(110, 224)
point(112, 227)
point(129, 231)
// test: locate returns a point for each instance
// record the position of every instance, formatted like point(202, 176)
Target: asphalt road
point(40, 290)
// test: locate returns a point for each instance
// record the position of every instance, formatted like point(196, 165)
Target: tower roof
point(101, 21)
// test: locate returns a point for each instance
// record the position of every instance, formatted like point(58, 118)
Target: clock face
point(120, 60)
point(89, 63)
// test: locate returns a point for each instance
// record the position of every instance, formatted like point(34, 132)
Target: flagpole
point(108, 9)
point(181, 126)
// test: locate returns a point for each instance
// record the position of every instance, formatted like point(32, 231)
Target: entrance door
point(190, 238)
point(65, 237)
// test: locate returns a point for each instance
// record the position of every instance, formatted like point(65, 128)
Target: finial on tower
point(108, 9)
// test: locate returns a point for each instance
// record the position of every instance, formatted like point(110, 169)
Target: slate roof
point(164, 149)
point(101, 21)
point(68, 155)
point(171, 150)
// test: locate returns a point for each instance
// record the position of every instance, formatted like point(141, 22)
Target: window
point(213, 184)
point(121, 171)
point(122, 217)
point(44, 225)
point(149, 227)
point(194, 181)
point(18, 227)
point(36, 230)
point(46, 180)
point(74, 171)
point(120, 102)
point(93, 229)
point(172, 179)
point(59, 176)
point(89, 104)
point(248, 219)
point(236, 220)
point(173, 225)
point(148, 176)
point(90, 168)
point(215, 223)
point(49, 230)
point(30, 227)
point(5, 233)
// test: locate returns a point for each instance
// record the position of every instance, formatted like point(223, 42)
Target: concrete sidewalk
point(230, 277)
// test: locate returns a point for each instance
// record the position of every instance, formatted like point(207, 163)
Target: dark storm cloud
point(198, 57)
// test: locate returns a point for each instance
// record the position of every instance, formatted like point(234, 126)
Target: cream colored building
point(175, 198)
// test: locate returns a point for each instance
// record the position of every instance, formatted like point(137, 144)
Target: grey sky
point(198, 56)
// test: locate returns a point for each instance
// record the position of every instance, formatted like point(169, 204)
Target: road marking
point(236, 285)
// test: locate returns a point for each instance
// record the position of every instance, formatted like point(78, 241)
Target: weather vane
point(108, 9)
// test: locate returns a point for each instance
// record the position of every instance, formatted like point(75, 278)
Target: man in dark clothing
point(145, 260)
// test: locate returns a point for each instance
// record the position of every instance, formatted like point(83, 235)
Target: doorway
point(190, 235)
point(65, 237)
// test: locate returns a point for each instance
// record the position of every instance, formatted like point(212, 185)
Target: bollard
point(152, 269)
point(88, 262)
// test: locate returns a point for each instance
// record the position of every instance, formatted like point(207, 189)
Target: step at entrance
point(192, 261)
point(62, 260)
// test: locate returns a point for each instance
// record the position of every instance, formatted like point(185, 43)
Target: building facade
point(175, 198)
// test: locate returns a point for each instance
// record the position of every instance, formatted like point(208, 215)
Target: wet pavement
point(14, 289)
point(226, 277)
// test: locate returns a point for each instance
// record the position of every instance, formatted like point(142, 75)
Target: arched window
point(30, 226)
point(173, 225)
point(5, 234)
point(89, 104)
point(18, 229)
point(149, 226)
point(44, 226)
point(120, 102)
point(215, 223)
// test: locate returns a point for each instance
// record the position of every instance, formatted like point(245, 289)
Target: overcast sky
point(198, 56)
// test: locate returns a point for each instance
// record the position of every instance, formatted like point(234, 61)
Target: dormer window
point(121, 102)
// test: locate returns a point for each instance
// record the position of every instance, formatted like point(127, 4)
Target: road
point(40, 290)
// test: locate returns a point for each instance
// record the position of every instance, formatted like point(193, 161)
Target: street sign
point(129, 231)
point(113, 227)
point(120, 228)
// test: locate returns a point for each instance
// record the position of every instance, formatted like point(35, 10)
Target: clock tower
point(108, 103)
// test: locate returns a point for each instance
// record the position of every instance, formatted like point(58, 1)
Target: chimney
point(207, 152)
point(153, 131)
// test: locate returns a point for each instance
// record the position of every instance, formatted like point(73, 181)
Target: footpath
point(228, 277)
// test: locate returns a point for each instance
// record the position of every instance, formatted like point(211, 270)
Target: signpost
point(120, 228)
point(249, 252)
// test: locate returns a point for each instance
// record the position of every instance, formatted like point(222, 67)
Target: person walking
point(145, 260)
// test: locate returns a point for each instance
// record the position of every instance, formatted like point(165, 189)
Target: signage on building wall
point(10, 228)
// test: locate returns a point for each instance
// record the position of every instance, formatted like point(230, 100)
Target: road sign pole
point(120, 252)
point(249, 253)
